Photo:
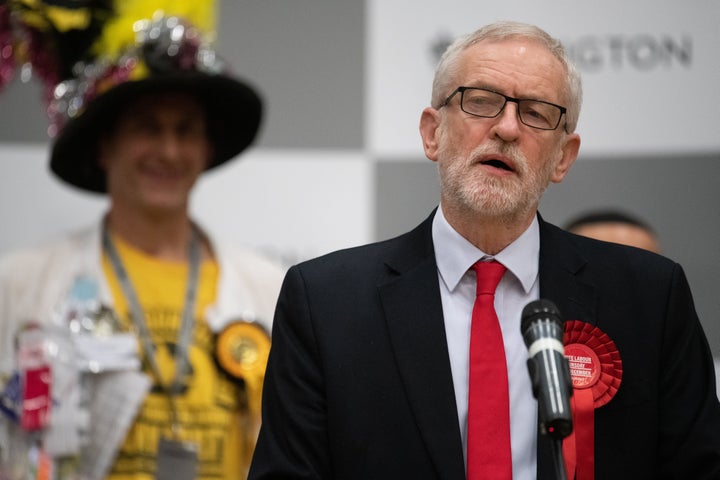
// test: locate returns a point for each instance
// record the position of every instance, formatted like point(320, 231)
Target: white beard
point(465, 186)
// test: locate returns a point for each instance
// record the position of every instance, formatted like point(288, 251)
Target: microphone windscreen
point(539, 309)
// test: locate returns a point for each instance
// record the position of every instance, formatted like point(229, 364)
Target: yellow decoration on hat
point(119, 32)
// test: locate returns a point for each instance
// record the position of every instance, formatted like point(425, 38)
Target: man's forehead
point(509, 47)
point(515, 59)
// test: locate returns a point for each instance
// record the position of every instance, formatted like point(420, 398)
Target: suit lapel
point(560, 282)
point(413, 310)
point(560, 275)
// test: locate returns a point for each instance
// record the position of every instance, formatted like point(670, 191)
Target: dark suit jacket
point(358, 384)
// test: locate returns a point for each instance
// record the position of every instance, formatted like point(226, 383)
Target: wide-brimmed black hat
point(234, 112)
point(96, 57)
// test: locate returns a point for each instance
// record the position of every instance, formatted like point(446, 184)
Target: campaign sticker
point(584, 365)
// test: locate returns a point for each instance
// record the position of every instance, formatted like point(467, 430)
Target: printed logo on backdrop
point(603, 53)
point(639, 52)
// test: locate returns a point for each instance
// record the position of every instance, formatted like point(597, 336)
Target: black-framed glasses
point(481, 102)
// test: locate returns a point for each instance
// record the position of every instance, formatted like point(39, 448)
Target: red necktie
point(488, 438)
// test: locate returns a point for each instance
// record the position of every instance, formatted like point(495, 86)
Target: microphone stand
point(558, 459)
point(555, 433)
point(542, 329)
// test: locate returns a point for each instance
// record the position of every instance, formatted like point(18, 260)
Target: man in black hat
point(142, 128)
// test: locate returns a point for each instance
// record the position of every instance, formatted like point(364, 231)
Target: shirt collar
point(455, 255)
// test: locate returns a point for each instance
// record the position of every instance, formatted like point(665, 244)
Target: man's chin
point(501, 208)
point(160, 205)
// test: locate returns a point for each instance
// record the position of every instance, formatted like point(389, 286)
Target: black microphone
point(542, 330)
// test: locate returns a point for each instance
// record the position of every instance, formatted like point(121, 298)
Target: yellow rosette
point(242, 350)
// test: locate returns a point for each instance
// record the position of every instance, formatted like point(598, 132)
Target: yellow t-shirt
point(212, 410)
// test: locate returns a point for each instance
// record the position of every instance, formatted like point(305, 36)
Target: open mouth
point(497, 164)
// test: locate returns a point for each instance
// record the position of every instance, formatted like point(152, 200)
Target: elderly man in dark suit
point(374, 370)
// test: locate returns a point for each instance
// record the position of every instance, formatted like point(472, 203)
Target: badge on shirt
point(176, 460)
point(241, 349)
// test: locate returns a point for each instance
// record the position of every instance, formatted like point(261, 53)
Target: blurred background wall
point(339, 160)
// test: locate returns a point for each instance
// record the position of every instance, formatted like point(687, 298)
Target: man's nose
point(507, 123)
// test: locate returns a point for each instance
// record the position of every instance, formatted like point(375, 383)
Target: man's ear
point(567, 155)
point(429, 125)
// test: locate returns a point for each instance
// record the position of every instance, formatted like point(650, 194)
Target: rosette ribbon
point(596, 372)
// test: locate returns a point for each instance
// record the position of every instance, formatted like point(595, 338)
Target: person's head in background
point(617, 227)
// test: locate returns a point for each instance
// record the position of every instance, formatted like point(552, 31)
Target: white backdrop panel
point(650, 68)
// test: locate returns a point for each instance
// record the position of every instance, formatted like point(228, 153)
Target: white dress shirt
point(519, 286)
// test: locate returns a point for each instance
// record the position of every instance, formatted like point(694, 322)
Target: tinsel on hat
point(81, 48)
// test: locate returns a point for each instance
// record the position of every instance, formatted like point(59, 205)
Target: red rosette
point(596, 373)
point(603, 377)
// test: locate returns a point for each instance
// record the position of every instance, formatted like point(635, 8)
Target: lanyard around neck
point(138, 317)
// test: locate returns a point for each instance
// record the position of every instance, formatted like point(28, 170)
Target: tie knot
point(488, 276)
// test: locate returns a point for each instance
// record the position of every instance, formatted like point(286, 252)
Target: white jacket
point(35, 282)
